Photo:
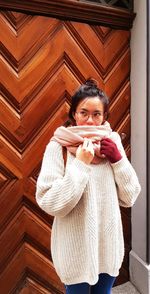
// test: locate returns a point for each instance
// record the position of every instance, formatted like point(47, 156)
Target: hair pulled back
point(88, 89)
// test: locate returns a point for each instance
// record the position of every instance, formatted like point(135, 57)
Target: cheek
point(100, 122)
point(80, 123)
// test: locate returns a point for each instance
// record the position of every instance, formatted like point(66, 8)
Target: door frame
point(81, 11)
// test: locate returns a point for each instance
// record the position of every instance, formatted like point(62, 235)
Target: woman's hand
point(85, 152)
point(109, 150)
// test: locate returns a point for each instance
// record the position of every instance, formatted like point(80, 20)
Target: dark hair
point(88, 89)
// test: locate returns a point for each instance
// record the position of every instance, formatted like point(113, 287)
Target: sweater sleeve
point(58, 192)
point(128, 186)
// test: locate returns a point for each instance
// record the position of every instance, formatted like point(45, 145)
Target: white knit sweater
point(87, 236)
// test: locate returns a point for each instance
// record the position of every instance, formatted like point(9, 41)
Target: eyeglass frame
point(90, 114)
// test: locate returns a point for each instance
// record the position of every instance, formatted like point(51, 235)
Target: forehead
point(91, 104)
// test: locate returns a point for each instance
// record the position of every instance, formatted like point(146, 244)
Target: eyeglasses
point(84, 116)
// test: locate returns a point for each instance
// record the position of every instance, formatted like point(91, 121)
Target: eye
point(97, 114)
point(83, 113)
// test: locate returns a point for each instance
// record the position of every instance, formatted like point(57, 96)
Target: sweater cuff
point(119, 165)
point(123, 170)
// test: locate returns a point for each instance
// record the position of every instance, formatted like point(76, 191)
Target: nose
point(90, 120)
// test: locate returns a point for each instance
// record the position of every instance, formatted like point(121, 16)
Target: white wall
point(138, 123)
point(139, 269)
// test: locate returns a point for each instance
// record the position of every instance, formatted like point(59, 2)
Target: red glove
point(110, 150)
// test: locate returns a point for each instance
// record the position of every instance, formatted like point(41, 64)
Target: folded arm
point(58, 191)
point(125, 177)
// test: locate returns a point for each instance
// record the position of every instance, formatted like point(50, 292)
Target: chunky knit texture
point(87, 236)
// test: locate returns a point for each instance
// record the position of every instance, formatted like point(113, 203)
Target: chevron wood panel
point(43, 61)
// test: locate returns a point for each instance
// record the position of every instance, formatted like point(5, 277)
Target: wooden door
point(43, 61)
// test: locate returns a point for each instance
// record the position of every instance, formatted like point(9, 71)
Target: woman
point(84, 195)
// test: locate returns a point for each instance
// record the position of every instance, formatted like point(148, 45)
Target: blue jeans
point(103, 286)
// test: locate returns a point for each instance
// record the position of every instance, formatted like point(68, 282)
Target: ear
point(106, 114)
point(73, 115)
point(105, 117)
point(73, 120)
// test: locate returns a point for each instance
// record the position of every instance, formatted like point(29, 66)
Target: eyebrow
point(93, 111)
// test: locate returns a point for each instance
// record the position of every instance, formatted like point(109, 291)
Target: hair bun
point(91, 83)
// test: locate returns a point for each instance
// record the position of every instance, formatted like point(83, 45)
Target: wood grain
point(43, 61)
